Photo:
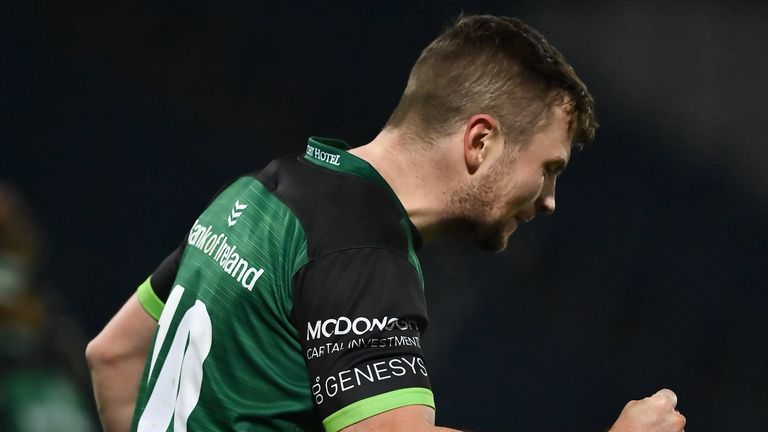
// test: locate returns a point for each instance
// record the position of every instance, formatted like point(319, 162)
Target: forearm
point(115, 388)
point(116, 358)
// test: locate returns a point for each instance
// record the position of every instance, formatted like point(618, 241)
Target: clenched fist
point(652, 414)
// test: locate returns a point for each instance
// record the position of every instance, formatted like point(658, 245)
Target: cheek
point(536, 188)
point(527, 190)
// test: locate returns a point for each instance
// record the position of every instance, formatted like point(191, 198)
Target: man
point(296, 300)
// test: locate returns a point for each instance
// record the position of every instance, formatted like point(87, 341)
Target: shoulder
point(337, 210)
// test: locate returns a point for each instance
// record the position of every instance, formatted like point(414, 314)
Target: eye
point(553, 169)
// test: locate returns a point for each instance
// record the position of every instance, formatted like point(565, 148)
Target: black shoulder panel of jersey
point(358, 303)
point(162, 278)
point(337, 210)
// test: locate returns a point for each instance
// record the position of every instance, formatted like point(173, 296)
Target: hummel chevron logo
point(237, 210)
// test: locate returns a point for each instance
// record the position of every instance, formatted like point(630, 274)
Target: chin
point(496, 245)
point(483, 235)
point(491, 239)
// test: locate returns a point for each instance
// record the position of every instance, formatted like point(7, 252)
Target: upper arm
point(127, 335)
point(360, 314)
point(412, 418)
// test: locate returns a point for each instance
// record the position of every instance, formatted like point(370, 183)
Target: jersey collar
point(332, 154)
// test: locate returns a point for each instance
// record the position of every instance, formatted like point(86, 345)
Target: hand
point(652, 414)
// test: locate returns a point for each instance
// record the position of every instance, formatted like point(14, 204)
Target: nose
point(545, 204)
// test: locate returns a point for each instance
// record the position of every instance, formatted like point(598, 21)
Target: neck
point(419, 175)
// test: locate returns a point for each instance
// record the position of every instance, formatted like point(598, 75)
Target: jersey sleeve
point(154, 291)
point(360, 314)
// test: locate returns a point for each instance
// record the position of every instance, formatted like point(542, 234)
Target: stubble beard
point(471, 220)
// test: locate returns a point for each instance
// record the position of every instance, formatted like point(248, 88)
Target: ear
point(480, 131)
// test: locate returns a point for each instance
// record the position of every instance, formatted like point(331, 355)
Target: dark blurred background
point(119, 120)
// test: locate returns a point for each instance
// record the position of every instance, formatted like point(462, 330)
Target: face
point(514, 188)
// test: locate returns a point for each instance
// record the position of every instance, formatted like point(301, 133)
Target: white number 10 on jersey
point(177, 389)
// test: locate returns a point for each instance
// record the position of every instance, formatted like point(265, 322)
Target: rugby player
point(295, 301)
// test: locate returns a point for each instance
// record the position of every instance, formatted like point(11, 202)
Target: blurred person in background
point(42, 377)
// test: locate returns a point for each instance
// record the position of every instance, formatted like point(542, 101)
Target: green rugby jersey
point(295, 303)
